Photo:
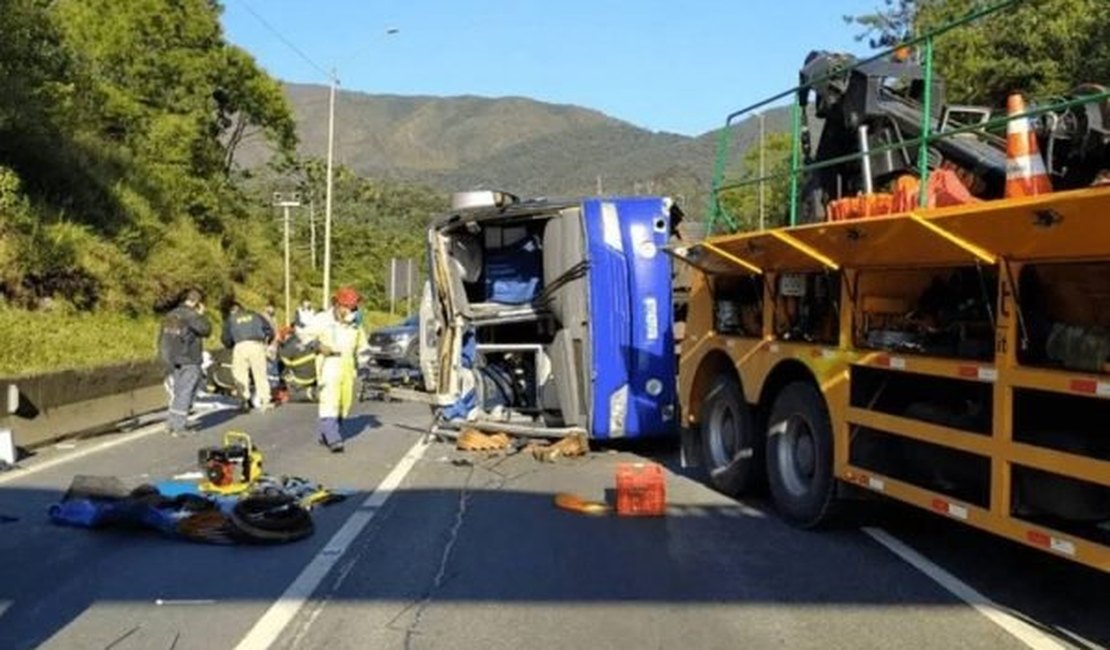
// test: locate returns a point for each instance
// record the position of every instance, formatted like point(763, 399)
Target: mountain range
point(516, 144)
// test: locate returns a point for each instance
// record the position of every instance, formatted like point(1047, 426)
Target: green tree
point(1041, 47)
point(372, 220)
point(887, 27)
point(742, 202)
point(250, 104)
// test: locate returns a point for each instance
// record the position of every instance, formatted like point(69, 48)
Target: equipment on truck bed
point(880, 103)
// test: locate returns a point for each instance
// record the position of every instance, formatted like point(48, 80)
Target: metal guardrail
point(717, 212)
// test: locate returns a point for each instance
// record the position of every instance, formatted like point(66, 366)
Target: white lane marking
point(157, 427)
point(267, 629)
point(1019, 629)
point(81, 453)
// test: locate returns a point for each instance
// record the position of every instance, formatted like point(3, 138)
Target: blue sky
point(666, 65)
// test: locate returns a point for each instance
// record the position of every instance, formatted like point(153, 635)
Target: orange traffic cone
point(1025, 171)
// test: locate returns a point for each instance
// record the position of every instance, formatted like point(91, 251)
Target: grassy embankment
point(36, 342)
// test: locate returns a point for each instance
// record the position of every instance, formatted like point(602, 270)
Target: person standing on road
point(338, 343)
point(181, 351)
point(248, 334)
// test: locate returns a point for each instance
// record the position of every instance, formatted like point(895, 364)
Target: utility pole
point(392, 283)
point(312, 225)
point(409, 264)
point(327, 200)
point(286, 201)
point(599, 189)
point(762, 173)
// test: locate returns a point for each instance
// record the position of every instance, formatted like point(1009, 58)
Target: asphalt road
point(464, 551)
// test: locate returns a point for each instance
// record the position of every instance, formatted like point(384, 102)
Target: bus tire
point(800, 456)
point(731, 449)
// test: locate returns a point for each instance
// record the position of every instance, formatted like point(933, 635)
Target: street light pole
point(327, 200)
point(334, 79)
point(762, 173)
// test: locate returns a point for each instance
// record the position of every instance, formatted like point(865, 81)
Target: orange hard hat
point(347, 297)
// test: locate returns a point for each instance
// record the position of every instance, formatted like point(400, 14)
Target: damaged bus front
point(548, 317)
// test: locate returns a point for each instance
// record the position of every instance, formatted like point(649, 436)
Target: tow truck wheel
point(728, 438)
point(800, 455)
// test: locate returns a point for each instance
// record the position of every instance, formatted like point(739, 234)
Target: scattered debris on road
point(569, 446)
point(575, 444)
point(641, 492)
point(230, 502)
point(575, 503)
point(475, 440)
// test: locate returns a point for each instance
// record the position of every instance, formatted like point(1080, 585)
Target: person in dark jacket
point(181, 350)
point(248, 334)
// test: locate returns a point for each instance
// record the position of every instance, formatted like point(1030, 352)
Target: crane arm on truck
point(880, 105)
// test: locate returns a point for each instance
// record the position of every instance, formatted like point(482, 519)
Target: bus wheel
point(800, 455)
point(728, 438)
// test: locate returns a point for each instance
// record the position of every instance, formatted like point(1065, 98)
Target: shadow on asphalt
point(356, 426)
point(510, 546)
point(1020, 579)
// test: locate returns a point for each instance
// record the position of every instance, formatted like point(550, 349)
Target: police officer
point(248, 334)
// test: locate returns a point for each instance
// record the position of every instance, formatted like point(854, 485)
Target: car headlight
point(398, 344)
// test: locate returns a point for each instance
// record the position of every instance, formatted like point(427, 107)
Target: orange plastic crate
point(641, 490)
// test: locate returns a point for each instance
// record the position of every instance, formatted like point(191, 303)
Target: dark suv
point(397, 345)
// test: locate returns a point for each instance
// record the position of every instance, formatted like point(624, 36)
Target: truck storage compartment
point(958, 474)
point(953, 403)
point(1065, 311)
point(1073, 506)
point(947, 312)
point(738, 305)
point(807, 307)
point(1068, 423)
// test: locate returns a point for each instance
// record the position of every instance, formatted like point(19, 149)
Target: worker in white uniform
point(338, 342)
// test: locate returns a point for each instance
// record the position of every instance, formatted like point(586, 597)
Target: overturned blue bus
point(552, 316)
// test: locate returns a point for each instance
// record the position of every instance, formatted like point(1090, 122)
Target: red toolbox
point(641, 490)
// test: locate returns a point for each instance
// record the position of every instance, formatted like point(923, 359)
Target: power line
point(389, 31)
point(288, 43)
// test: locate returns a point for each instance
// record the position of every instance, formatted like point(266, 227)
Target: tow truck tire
point(800, 456)
point(731, 449)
